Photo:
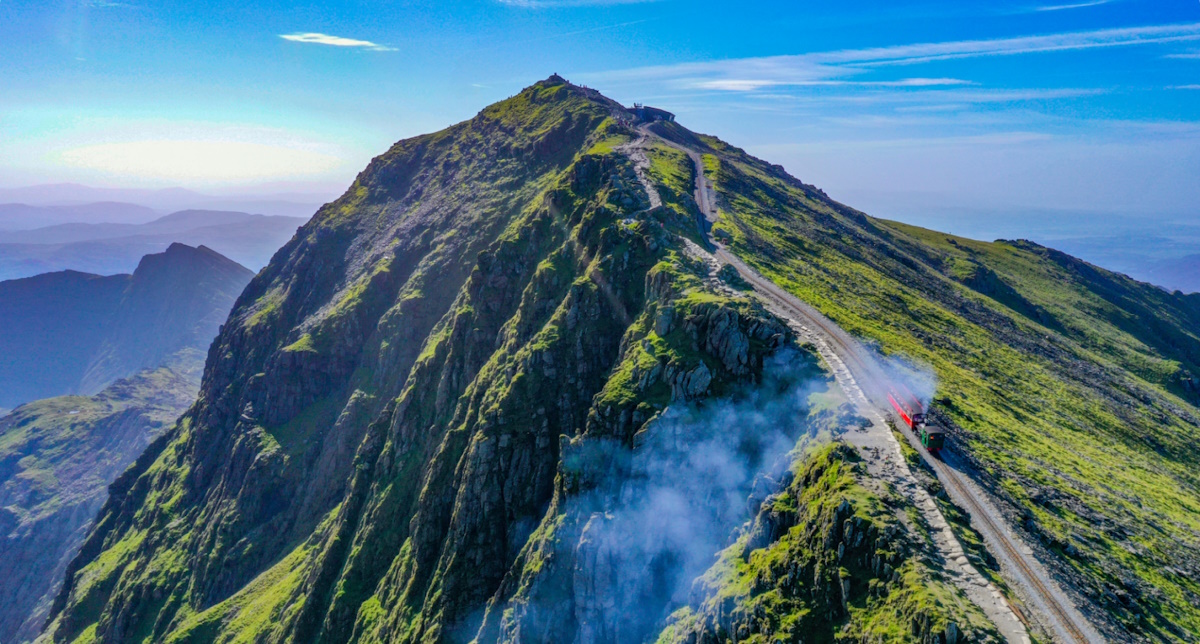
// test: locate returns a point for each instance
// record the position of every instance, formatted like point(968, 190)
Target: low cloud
point(335, 41)
point(698, 473)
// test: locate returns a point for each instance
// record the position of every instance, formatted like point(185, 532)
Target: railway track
point(851, 355)
point(1063, 621)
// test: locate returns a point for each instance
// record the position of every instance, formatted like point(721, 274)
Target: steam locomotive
point(909, 407)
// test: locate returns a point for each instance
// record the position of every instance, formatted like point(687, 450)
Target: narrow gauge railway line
point(961, 493)
point(1061, 618)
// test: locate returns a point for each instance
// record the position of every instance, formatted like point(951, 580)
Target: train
point(932, 437)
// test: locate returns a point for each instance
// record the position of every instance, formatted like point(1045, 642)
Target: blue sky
point(891, 107)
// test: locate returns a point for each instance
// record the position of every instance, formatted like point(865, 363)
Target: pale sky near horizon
point(1009, 105)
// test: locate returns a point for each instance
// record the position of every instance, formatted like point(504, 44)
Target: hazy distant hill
point(140, 341)
point(77, 231)
point(105, 248)
point(1182, 274)
point(71, 332)
point(20, 216)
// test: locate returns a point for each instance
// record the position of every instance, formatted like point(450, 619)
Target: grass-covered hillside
point(57, 457)
point(1069, 386)
point(484, 395)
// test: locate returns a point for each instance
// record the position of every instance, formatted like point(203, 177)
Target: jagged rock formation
point(75, 333)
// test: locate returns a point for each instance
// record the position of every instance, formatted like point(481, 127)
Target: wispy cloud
point(745, 85)
point(1185, 87)
point(1075, 40)
point(334, 41)
point(751, 74)
point(1077, 5)
point(1184, 56)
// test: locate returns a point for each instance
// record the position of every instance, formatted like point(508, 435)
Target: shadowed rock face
point(74, 333)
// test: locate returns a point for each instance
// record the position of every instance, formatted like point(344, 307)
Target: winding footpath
point(865, 384)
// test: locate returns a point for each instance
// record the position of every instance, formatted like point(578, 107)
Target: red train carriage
point(910, 409)
point(907, 406)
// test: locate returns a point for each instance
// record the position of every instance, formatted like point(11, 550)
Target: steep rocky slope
point(74, 333)
point(57, 457)
point(484, 395)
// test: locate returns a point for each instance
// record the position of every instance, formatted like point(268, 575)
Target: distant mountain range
point(106, 248)
point(21, 216)
point(75, 333)
point(284, 202)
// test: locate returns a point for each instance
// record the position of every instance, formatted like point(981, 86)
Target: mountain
point(74, 333)
point(69, 194)
point(19, 216)
point(498, 392)
point(268, 200)
point(57, 457)
point(177, 222)
point(108, 248)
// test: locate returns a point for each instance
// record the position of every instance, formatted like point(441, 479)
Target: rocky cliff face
point(827, 560)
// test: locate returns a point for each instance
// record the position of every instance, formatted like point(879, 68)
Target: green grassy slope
point(1065, 383)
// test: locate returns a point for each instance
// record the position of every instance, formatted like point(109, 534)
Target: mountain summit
point(498, 391)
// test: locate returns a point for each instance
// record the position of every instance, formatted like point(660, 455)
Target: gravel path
point(863, 381)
